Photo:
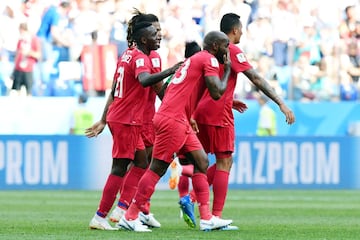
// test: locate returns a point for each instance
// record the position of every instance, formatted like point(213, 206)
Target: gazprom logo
point(287, 163)
point(34, 162)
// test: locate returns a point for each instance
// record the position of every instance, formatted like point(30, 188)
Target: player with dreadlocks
point(147, 130)
point(123, 113)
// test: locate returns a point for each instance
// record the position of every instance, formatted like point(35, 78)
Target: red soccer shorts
point(171, 137)
point(126, 140)
point(148, 134)
point(217, 140)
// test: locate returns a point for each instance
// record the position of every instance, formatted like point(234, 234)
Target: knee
point(224, 164)
point(202, 165)
point(184, 161)
point(119, 167)
point(141, 164)
point(141, 159)
point(159, 167)
point(116, 170)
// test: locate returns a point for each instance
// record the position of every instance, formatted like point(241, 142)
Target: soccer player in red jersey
point(128, 189)
point(215, 119)
point(173, 132)
point(124, 113)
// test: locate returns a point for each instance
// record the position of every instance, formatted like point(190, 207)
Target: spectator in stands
point(9, 36)
point(259, 34)
point(52, 38)
point(266, 125)
point(27, 54)
point(118, 31)
point(347, 26)
point(82, 117)
point(104, 22)
point(84, 23)
point(323, 87)
point(348, 90)
point(309, 41)
point(283, 22)
point(285, 17)
point(354, 61)
point(303, 75)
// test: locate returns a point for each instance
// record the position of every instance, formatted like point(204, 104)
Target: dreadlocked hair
point(135, 20)
point(131, 24)
point(138, 31)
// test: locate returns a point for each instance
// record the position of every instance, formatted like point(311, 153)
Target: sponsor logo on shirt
point(214, 62)
point(241, 57)
point(140, 62)
point(155, 62)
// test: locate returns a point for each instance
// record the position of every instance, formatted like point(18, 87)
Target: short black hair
point(228, 22)
point(213, 37)
point(191, 48)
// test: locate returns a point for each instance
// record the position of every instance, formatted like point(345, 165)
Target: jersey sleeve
point(141, 64)
point(211, 66)
point(155, 62)
point(239, 62)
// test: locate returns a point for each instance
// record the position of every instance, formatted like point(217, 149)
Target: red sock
point(110, 191)
point(130, 185)
point(183, 186)
point(220, 187)
point(210, 174)
point(193, 196)
point(122, 185)
point(132, 212)
point(145, 190)
point(201, 188)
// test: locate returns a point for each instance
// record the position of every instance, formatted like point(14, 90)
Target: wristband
point(168, 80)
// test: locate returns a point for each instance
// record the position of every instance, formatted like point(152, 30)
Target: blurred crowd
point(307, 49)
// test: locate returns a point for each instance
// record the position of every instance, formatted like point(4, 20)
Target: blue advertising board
point(76, 162)
point(296, 163)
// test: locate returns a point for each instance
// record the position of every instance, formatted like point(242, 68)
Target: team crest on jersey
point(214, 62)
point(155, 62)
point(126, 58)
point(241, 57)
point(140, 62)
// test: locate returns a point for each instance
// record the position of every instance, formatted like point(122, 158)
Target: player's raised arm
point(217, 43)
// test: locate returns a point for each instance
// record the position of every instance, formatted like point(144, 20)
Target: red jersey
point(188, 85)
point(150, 105)
point(219, 112)
point(26, 63)
point(129, 97)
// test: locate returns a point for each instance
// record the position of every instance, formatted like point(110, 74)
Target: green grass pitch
point(260, 214)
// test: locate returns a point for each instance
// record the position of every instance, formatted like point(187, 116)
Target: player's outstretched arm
point(99, 126)
point(265, 87)
point(146, 79)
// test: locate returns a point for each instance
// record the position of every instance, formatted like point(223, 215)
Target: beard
point(220, 57)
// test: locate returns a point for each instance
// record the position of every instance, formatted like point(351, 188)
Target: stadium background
point(319, 152)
